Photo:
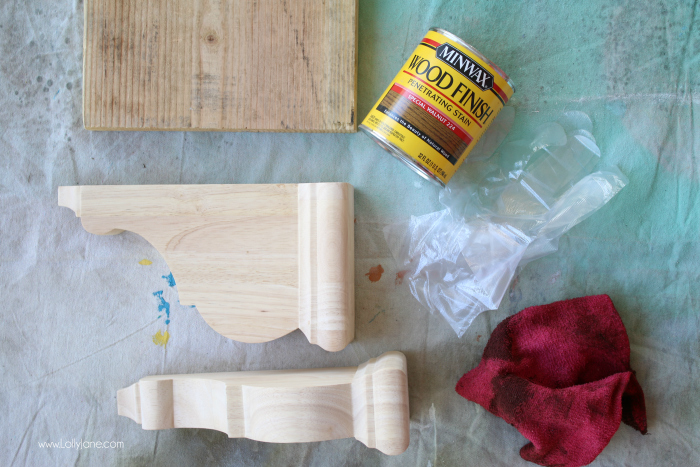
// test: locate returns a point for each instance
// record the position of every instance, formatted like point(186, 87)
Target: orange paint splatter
point(478, 337)
point(400, 275)
point(375, 273)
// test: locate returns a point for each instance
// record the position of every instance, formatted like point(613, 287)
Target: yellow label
point(438, 106)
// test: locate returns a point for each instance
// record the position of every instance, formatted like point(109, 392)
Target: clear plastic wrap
point(460, 261)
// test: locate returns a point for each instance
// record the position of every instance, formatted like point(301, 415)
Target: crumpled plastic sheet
point(461, 260)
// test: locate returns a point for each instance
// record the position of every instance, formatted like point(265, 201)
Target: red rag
point(560, 373)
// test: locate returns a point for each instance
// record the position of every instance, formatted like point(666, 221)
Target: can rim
point(473, 49)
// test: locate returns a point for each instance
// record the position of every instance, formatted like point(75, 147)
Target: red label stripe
point(500, 92)
point(431, 42)
point(437, 115)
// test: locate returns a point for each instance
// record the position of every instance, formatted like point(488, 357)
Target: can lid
point(472, 49)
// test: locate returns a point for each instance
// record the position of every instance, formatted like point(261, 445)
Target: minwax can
point(438, 106)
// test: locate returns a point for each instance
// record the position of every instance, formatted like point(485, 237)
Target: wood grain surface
point(258, 261)
point(265, 65)
point(369, 402)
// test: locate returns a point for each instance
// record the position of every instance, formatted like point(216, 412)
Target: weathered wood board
point(228, 65)
point(258, 261)
point(369, 402)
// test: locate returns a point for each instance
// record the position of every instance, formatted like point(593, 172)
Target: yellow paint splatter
point(145, 262)
point(161, 338)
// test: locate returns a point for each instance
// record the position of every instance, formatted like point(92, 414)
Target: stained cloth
point(560, 373)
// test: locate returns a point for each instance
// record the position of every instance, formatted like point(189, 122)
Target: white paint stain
point(554, 277)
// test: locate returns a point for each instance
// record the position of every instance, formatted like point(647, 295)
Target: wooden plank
point(226, 65)
point(369, 402)
point(258, 261)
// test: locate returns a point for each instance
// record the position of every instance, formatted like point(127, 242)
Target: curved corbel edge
point(325, 224)
point(327, 264)
point(369, 402)
point(71, 197)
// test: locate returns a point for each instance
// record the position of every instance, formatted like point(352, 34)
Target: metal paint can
point(439, 105)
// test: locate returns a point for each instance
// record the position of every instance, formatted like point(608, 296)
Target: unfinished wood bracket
point(369, 402)
point(258, 261)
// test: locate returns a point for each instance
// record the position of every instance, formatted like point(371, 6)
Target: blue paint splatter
point(170, 279)
point(163, 306)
